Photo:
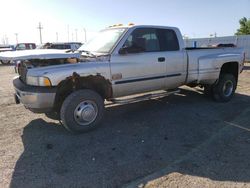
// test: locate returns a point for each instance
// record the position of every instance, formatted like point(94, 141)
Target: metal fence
point(242, 41)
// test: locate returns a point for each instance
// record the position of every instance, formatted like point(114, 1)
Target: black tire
point(224, 90)
point(5, 62)
point(208, 90)
point(79, 106)
point(53, 115)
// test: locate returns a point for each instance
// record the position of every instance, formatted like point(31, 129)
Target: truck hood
point(81, 68)
point(58, 73)
point(38, 54)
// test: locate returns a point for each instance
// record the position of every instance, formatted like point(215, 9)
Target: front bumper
point(35, 98)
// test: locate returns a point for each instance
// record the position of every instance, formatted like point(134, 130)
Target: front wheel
point(5, 62)
point(82, 111)
point(53, 115)
point(224, 90)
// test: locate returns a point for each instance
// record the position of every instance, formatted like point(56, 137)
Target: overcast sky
point(195, 18)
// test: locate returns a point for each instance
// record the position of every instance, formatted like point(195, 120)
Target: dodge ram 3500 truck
point(118, 62)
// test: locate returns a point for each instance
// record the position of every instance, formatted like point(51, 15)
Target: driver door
point(143, 66)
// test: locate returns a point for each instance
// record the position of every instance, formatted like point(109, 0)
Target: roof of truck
point(139, 26)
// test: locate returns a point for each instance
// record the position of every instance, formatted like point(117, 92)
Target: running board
point(143, 97)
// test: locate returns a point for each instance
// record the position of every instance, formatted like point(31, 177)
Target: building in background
point(242, 41)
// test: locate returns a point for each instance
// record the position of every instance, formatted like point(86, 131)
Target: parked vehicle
point(25, 46)
point(61, 45)
point(122, 61)
point(17, 47)
point(5, 48)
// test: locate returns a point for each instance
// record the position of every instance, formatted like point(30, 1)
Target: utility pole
point(40, 31)
point(6, 39)
point(3, 39)
point(76, 34)
point(68, 33)
point(56, 36)
point(85, 35)
point(16, 37)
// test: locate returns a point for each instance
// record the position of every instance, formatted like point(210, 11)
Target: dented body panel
point(58, 73)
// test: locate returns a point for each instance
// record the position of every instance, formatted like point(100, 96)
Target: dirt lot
point(184, 140)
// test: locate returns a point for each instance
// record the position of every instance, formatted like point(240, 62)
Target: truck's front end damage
point(36, 93)
point(22, 66)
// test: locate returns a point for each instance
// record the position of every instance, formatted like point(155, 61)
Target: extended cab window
point(168, 40)
point(143, 40)
point(151, 40)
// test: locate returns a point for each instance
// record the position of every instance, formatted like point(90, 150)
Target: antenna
point(40, 31)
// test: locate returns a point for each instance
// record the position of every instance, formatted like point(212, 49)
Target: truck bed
point(204, 63)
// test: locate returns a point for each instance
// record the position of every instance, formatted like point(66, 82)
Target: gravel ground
point(184, 140)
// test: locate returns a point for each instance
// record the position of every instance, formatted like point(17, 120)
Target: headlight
point(31, 80)
point(38, 81)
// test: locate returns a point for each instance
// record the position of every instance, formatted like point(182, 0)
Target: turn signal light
point(46, 82)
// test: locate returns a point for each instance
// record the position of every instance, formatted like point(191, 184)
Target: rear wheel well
point(230, 68)
point(96, 83)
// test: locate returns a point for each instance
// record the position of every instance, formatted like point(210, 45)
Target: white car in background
point(13, 48)
point(61, 45)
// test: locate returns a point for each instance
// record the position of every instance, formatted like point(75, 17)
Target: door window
point(168, 40)
point(151, 40)
point(142, 40)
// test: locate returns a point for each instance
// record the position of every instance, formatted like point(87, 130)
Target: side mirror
point(123, 51)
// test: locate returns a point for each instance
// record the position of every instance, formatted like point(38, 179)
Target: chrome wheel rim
point(228, 88)
point(86, 112)
point(5, 61)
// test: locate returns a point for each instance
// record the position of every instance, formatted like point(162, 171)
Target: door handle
point(161, 59)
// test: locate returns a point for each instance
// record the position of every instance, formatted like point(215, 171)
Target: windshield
point(104, 41)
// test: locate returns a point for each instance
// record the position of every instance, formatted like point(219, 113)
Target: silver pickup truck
point(121, 61)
